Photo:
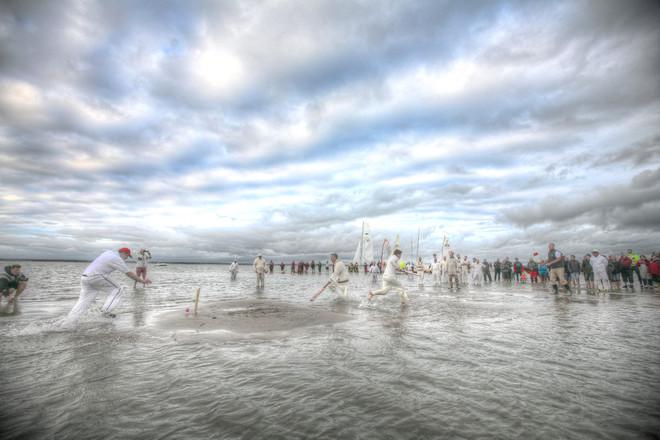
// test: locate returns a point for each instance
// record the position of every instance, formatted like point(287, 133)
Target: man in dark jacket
point(497, 267)
point(574, 269)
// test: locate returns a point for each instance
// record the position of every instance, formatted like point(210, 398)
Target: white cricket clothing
point(389, 284)
point(339, 273)
point(105, 264)
point(90, 288)
point(233, 267)
point(598, 263)
point(391, 267)
point(259, 265)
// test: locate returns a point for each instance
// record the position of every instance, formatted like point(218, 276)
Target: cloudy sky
point(210, 129)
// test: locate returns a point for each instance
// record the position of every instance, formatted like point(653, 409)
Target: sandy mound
point(247, 317)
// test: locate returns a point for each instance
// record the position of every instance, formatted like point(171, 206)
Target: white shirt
point(598, 263)
point(436, 267)
point(233, 267)
point(339, 274)
point(106, 263)
point(391, 268)
point(259, 265)
point(143, 259)
point(373, 269)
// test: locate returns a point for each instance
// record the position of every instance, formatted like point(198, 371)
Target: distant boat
point(159, 264)
point(365, 248)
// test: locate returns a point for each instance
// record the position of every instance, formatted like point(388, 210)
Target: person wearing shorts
point(143, 258)
point(556, 266)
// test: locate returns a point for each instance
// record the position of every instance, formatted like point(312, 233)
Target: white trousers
point(339, 288)
point(90, 288)
point(601, 276)
point(389, 284)
point(464, 276)
point(436, 278)
point(261, 279)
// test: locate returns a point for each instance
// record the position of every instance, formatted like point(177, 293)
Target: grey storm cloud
point(207, 130)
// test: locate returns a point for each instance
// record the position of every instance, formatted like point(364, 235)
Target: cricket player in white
point(436, 270)
point(599, 264)
point(95, 280)
point(233, 270)
point(338, 281)
point(260, 269)
point(339, 278)
point(389, 278)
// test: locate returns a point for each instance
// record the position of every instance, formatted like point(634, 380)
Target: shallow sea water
point(490, 362)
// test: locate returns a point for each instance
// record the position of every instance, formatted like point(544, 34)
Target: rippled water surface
point(488, 362)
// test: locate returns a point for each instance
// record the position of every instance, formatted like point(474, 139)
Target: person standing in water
point(436, 270)
point(556, 266)
point(142, 259)
point(259, 266)
point(453, 266)
point(338, 279)
point(95, 280)
point(233, 270)
point(599, 266)
point(374, 271)
point(389, 279)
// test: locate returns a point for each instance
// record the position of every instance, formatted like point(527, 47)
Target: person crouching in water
point(389, 278)
point(95, 279)
point(12, 283)
point(338, 281)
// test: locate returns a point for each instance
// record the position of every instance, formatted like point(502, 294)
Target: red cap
point(126, 251)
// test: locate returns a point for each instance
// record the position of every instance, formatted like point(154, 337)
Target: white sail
point(358, 252)
point(365, 248)
point(397, 244)
point(445, 247)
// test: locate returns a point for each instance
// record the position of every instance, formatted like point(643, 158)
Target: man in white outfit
point(436, 270)
point(338, 280)
point(260, 269)
point(465, 271)
point(373, 270)
point(389, 278)
point(420, 269)
point(233, 270)
point(477, 272)
point(444, 276)
point(95, 279)
point(599, 264)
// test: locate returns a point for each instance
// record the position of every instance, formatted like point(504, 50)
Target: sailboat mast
point(362, 244)
point(418, 243)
